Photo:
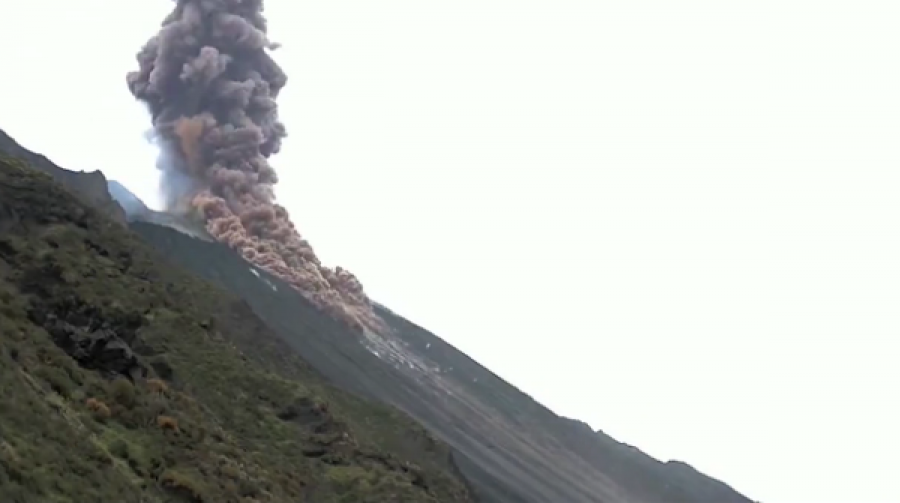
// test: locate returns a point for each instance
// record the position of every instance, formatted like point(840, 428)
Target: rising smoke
point(211, 87)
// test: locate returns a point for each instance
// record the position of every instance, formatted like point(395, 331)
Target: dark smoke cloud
point(211, 87)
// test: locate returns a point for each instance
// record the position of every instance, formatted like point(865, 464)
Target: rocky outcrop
point(89, 337)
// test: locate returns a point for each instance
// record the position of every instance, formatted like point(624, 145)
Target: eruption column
point(211, 86)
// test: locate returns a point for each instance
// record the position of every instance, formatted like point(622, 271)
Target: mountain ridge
point(508, 447)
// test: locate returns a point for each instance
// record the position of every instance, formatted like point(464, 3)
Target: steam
point(211, 86)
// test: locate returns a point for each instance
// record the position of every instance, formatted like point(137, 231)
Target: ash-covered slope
point(618, 472)
point(509, 448)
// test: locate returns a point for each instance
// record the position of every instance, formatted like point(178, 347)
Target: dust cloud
point(210, 84)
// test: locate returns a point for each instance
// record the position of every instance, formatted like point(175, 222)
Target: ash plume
point(211, 85)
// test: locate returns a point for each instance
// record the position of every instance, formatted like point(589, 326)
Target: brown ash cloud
point(210, 84)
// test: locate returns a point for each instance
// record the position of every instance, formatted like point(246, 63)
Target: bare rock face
point(91, 187)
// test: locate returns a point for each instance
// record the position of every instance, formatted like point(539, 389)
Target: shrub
point(167, 423)
point(123, 392)
point(157, 386)
point(182, 485)
point(98, 408)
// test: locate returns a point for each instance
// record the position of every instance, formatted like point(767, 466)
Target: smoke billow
point(211, 85)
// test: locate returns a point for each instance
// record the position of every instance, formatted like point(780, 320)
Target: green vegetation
point(123, 379)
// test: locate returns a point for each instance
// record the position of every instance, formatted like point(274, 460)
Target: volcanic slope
point(126, 379)
point(509, 448)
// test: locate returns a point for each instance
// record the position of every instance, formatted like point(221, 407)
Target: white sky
point(674, 220)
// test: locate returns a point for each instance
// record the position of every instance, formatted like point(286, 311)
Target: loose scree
point(210, 84)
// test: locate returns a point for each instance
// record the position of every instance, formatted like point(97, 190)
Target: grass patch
point(123, 379)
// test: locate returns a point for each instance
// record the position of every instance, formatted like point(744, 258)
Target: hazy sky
point(677, 221)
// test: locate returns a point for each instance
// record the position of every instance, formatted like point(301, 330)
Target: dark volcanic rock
point(90, 342)
point(98, 350)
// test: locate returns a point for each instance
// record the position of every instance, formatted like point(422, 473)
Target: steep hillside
point(508, 447)
point(125, 379)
